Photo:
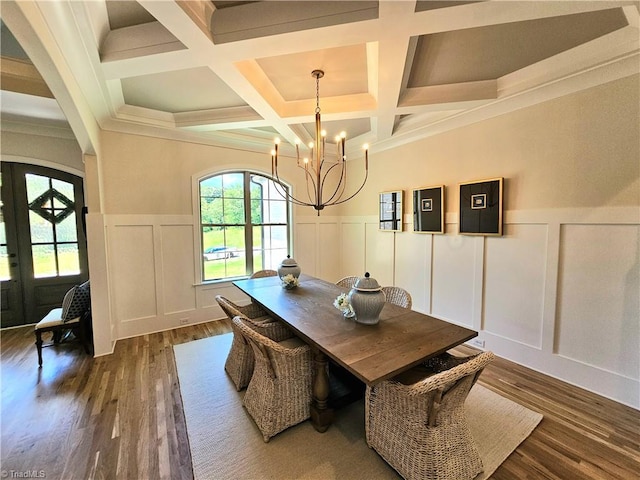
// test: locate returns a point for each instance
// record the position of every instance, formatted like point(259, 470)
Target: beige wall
point(45, 150)
point(577, 151)
point(145, 175)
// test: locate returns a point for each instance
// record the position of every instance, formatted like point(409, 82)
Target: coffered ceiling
point(239, 73)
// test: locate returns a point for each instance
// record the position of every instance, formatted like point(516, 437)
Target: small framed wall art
point(428, 209)
point(481, 207)
point(390, 209)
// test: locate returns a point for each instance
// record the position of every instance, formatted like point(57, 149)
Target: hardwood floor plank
point(120, 416)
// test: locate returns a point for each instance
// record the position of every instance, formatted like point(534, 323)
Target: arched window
point(244, 224)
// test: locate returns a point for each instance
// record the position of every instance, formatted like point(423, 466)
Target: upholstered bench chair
point(74, 315)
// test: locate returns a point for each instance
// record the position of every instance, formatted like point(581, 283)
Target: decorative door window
point(52, 219)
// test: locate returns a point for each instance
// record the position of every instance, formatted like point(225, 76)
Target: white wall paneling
point(329, 251)
point(379, 253)
point(514, 284)
point(352, 253)
point(133, 259)
point(454, 272)
point(559, 292)
point(412, 269)
point(306, 246)
point(598, 307)
point(178, 292)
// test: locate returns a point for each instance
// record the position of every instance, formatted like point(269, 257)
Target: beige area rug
point(226, 444)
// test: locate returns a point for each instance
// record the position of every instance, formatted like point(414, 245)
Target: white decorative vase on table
point(289, 271)
point(367, 299)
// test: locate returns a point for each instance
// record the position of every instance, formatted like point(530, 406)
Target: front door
point(42, 240)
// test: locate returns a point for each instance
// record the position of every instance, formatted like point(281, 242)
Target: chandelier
point(317, 166)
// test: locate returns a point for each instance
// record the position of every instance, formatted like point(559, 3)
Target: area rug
point(226, 444)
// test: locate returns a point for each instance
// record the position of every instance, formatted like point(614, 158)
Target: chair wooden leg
point(39, 347)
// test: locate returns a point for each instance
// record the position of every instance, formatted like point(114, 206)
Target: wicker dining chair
point(279, 393)
point(347, 282)
point(420, 428)
point(264, 273)
point(397, 296)
point(240, 361)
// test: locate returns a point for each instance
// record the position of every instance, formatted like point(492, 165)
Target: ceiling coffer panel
point(488, 53)
point(180, 91)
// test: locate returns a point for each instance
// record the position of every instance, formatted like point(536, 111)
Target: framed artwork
point(428, 209)
point(481, 207)
point(390, 209)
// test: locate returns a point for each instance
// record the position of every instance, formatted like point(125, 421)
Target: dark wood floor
point(120, 416)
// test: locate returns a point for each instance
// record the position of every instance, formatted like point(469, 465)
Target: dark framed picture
point(428, 209)
point(391, 211)
point(481, 207)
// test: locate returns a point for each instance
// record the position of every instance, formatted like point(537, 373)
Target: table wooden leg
point(321, 414)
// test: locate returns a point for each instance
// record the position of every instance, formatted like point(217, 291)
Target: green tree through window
point(244, 224)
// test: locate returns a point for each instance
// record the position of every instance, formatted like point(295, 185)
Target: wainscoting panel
point(379, 254)
point(133, 257)
point(413, 268)
point(352, 252)
point(454, 271)
point(598, 304)
point(178, 292)
point(559, 292)
point(514, 283)
point(329, 251)
point(306, 247)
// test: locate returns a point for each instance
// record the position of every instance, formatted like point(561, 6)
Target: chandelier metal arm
point(316, 171)
point(356, 192)
point(341, 182)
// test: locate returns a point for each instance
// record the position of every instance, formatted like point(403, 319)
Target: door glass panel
point(4, 263)
point(66, 229)
point(69, 259)
point(65, 188)
point(44, 261)
point(36, 186)
point(41, 229)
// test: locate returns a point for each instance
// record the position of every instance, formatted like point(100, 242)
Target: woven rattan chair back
point(397, 296)
point(232, 309)
point(279, 393)
point(240, 362)
point(347, 282)
point(421, 429)
point(264, 273)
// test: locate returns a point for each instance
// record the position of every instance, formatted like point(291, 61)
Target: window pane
point(257, 211)
point(66, 229)
point(279, 237)
point(44, 261)
point(41, 229)
point(276, 192)
point(3, 234)
point(233, 185)
point(233, 210)
point(223, 254)
point(211, 210)
point(211, 184)
point(258, 187)
point(69, 259)
point(36, 186)
point(277, 211)
point(64, 188)
point(4, 264)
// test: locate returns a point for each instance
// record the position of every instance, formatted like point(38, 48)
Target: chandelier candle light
point(317, 168)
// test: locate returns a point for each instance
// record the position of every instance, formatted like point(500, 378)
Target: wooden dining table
point(402, 339)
